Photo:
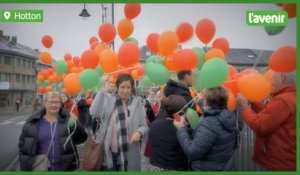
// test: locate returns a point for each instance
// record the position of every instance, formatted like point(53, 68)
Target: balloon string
point(185, 106)
point(76, 100)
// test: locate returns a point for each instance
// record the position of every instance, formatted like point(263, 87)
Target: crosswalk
point(14, 121)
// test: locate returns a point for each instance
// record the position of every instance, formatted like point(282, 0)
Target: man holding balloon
point(274, 125)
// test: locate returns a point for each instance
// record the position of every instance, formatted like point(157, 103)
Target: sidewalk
point(11, 111)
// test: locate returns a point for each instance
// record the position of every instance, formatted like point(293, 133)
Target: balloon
point(231, 84)
point(254, 87)
point(93, 39)
point(76, 61)
point(214, 72)
point(71, 83)
point(268, 75)
point(94, 45)
point(146, 80)
point(205, 30)
point(184, 32)
point(231, 102)
point(232, 70)
point(88, 78)
point(157, 73)
point(100, 47)
point(152, 41)
point(201, 57)
point(185, 59)
point(40, 78)
point(192, 117)
point(132, 40)
point(283, 59)
point(214, 53)
point(46, 57)
point(70, 64)
point(47, 41)
point(155, 59)
point(274, 30)
point(44, 72)
point(61, 67)
point(128, 54)
point(48, 88)
point(135, 74)
point(140, 71)
point(52, 79)
point(125, 28)
point(50, 71)
point(75, 69)
point(109, 61)
point(167, 42)
point(107, 32)
point(222, 44)
point(290, 9)
point(132, 10)
point(199, 82)
point(89, 59)
point(42, 90)
point(99, 71)
point(67, 57)
point(169, 63)
point(46, 83)
point(249, 70)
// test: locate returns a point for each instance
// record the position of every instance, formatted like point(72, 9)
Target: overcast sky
point(71, 33)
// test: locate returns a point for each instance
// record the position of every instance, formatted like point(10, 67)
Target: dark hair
point(183, 73)
point(125, 77)
point(173, 104)
point(216, 97)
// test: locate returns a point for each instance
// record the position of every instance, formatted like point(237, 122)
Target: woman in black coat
point(51, 121)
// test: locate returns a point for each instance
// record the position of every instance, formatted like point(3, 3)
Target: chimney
point(14, 40)
point(1, 34)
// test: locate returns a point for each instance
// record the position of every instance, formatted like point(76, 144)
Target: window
point(1, 62)
point(18, 62)
point(18, 78)
point(23, 63)
point(1, 79)
point(23, 78)
point(32, 79)
point(7, 60)
point(8, 77)
point(28, 78)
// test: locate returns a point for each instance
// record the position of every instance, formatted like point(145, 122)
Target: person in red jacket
point(274, 125)
point(68, 104)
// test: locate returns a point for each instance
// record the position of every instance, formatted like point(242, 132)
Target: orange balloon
point(231, 84)
point(44, 72)
point(268, 75)
point(283, 59)
point(214, 53)
point(72, 84)
point(94, 45)
point(52, 79)
point(232, 70)
point(89, 101)
point(70, 64)
point(93, 39)
point(89, 59)
point(47, 41)
point(167, 42)
point(231, 102)
point(46, 58)
point(128, 54)
point(100, 47)
point(135, 75)
point(290, 9)
point(169, 63)
point(109, 61)
point(67, 57)
point(249, 70)
point(185, 59)
point(75, 69)
point(42, 90)
point(254, 87)
point(76, 61)
point(107, 32)
point(152, 41)
point(48, 88)
point(40, 78)
point(132, 10)
point(125, 28)
point(184, 32)
point(140, 71)
point(222, 44)
point(50, 71)
point(205, 30)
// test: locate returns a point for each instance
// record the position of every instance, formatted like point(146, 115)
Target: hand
point(73, 116)
point(136, 137)
point(242, 101)
point(179, 124)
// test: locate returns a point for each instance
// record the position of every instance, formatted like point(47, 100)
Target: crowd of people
point(124, 120)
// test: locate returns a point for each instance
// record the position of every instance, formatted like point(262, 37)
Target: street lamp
point(84, 13)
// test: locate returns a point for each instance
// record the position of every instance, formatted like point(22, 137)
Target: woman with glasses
point(47, 135)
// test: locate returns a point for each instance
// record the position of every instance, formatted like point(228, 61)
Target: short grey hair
point(290, 78)
point(46, 95)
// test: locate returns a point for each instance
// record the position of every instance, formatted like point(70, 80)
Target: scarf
point(123, 142)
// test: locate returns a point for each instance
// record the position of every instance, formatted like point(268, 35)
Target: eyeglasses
point(54, 102)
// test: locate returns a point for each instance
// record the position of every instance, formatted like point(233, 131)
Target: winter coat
point(275, 128)
point(28, 141)
point(176, 88)
point(213, 143)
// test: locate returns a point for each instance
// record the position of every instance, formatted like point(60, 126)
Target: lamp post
point(84, 13)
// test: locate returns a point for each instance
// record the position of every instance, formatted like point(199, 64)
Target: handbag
point(41, 161)
point(94, 155)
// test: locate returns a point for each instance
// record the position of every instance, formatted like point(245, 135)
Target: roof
point(8, 47)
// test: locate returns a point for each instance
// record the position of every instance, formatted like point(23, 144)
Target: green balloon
point(88, 79)
point(46, 83)
point(201, 57)
point(199, 83)
point(147, 82)
point(38, 83)
point(274, 30)
point(132, 40)
point(60, 86)
point(214, 72)
point(61, 67)
point(71, 122)
point(100, 83)
point(155, 59)
point(157, 73)
point(192, 117)
point(99, 71)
